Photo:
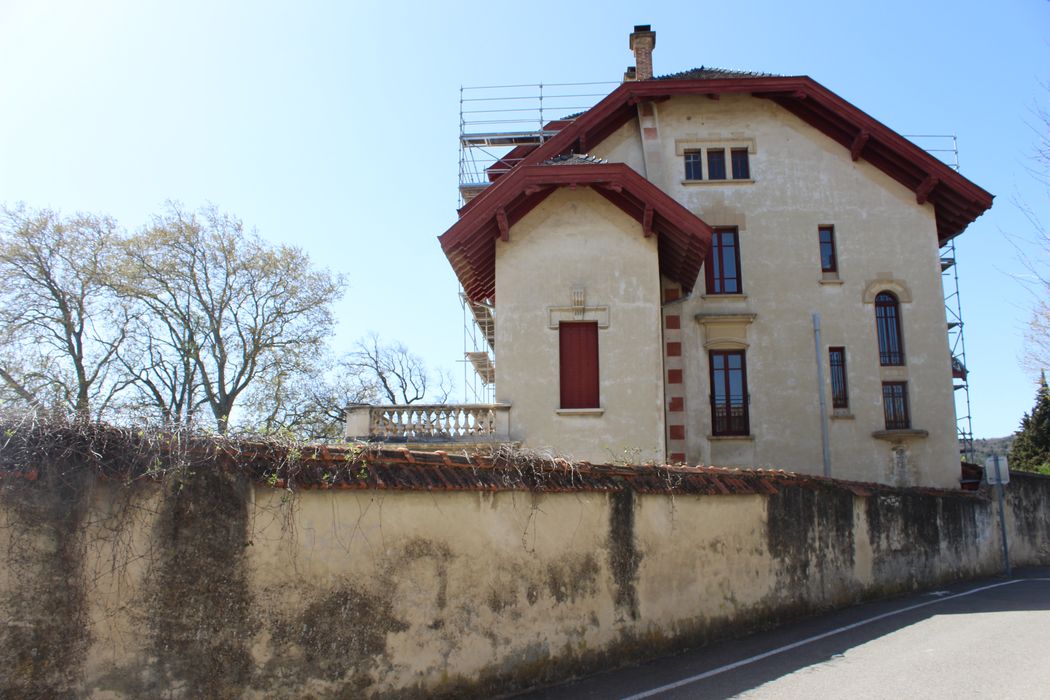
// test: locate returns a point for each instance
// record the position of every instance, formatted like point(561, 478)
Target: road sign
point(991, 475)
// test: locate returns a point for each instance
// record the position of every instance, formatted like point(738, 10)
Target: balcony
point(431, 424)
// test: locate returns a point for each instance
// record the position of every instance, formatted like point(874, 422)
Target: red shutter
point(578, 343)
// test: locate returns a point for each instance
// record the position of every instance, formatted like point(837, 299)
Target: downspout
point(824, 440)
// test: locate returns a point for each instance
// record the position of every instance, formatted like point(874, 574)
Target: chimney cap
point(642, 31)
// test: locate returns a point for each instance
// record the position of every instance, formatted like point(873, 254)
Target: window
point(741, 166)
point(729, 397)
point(839, 393)
point(716, 164)
point(693, 168)
point(828, 260)
point(895, 405)
point(888, 324)
point(706, 159)
point(723, 263)
point(578, 354)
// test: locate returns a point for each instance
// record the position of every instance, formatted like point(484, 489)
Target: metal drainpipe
point(824, 441)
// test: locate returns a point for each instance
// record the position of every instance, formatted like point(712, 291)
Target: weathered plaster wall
point(801, 179)
point(211, 587)
point(578, 240)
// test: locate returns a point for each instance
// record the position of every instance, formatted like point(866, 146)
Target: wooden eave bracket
point(859, 141)
point(922, 193)
point(634, 100)
point(503, 224)
point(647, 221)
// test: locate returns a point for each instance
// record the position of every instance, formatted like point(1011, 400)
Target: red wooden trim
point(858, 144)
point(470, 243)
point(647, 220)
point(824, 108)
point(924, 189)
point(501, 221)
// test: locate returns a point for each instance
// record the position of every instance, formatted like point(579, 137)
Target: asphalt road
point(981, 639)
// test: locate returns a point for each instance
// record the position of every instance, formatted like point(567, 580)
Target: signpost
point(997, 472)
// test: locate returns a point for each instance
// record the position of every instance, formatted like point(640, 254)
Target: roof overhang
point(956, 200)
point(470, 244)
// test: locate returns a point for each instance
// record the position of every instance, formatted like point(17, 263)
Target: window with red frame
point(829, 261)
point(722, 267)
point(888, 326)
point(729, 395)
point(578, 357)
point(839, 392)
point(895, 405)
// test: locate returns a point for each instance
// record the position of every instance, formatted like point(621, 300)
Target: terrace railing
point(430, 423)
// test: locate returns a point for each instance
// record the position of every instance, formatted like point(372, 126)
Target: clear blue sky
point(333, 126)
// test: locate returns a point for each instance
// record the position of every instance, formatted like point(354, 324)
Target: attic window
point(705, 160)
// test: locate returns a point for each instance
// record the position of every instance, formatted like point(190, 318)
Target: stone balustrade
point(413, 423)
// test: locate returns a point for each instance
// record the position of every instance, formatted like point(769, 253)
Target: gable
point(470, 244)
point(957, 201)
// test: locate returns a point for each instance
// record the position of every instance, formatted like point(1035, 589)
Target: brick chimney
point(643, 41)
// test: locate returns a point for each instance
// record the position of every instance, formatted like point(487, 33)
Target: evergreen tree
point(1031, 448)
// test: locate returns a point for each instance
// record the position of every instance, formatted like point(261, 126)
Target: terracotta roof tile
point(711, 73)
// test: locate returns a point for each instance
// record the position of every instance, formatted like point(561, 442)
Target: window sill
point(724, 297)
point(580, 411)
point(842, 414)
point(830, 280)
point(731, 438)
point(900, 435)
point(727, 181)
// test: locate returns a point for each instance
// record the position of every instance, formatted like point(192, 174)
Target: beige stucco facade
point(577, 241)
point(800, 179)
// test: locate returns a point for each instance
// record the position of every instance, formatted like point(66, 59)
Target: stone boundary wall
point(400, 574)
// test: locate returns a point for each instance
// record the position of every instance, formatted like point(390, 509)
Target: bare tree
point(222, 310)
point(400, 376)
point(308, 402)
point(1037, 337)
point(61, 325)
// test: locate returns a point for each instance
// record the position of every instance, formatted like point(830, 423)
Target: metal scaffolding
point(946, 148)
point(495, 120)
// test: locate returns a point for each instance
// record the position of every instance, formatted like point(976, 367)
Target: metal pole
point(824, 441)
point(1002, 514)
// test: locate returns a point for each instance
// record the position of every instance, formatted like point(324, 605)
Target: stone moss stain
point(624, 557)
point(200, 610)
point(44, 633)
point(810, 532)
point(573, 578)
point(337, 636)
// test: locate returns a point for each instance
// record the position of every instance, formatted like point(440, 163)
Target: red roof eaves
point(470, 243)
point(957, 200)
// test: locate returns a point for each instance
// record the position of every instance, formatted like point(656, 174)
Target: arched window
point(888, 324)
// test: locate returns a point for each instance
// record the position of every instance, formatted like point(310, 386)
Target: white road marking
point(817, 637)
